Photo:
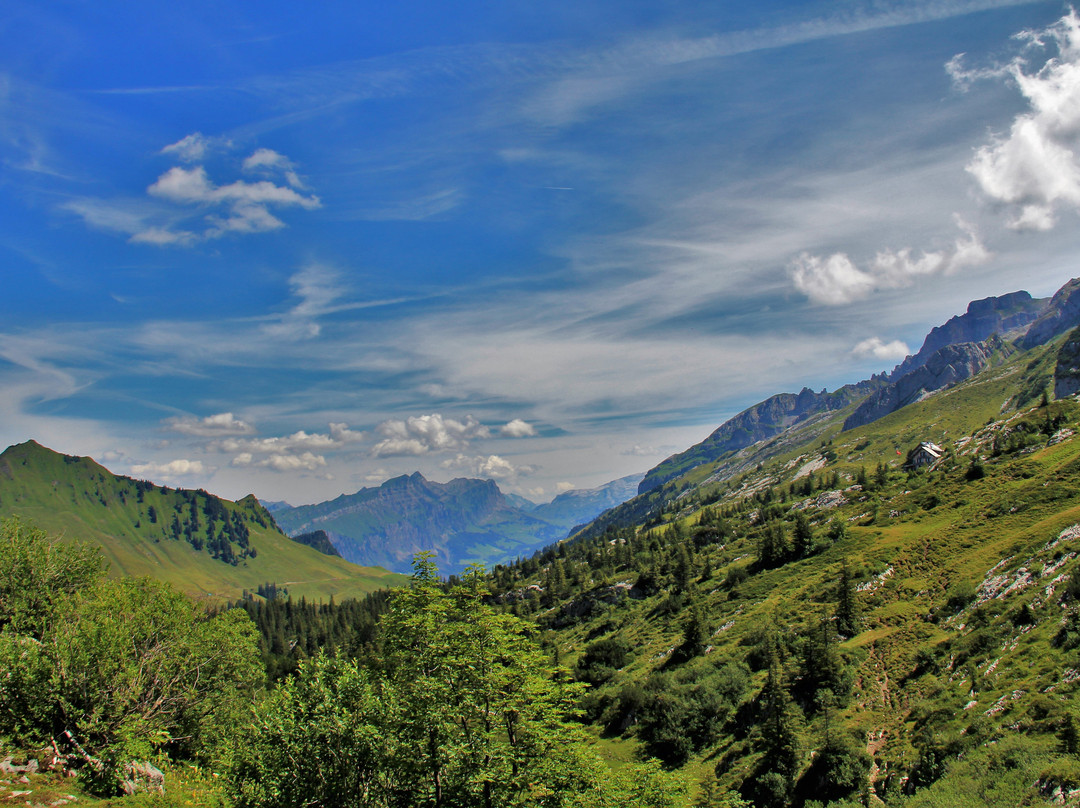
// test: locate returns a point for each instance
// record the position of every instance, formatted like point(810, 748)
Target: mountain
point(460, 521)
point(1005, 315)
point(575, 507)
point(945, 367)
point(806, 619)
point(463, 521)
point(766, 420)
point(319, 540)
point(204, 545)
point(274, 507)
point(1061, 314)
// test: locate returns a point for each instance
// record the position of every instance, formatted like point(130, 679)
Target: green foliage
point(118, 669)
point(680, 714)
point(601, 660)
point(37, 571)
point(461, 710)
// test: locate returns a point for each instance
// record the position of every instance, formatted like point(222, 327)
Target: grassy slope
point(77, 498)
point(911, 542)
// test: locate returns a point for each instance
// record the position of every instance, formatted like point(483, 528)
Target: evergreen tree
point(803, 544)
point(847, 607)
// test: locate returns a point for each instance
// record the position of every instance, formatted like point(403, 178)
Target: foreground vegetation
point(458, 708)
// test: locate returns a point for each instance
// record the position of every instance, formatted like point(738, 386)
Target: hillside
point(206, 546)
point(463, 521)
point(817, 621)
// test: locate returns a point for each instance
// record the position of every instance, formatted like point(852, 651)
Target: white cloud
point(878, 349)
point(317, 288)
point(174, 468)
point(518, 429)
point(247, 202)
point(421, 434)
point(163, 237)
point(212, 426)
point(1035, 167)
point(836, 280)
point(491, 467)
point(562, 488)
point(193, 148)
point(268, 160)
point(307, 461)
point(338, 436)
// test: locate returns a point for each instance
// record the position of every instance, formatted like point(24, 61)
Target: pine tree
point(803, 544)
point(847, 607)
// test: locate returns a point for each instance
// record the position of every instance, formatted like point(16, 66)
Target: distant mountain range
point(462, 521)
point(204, 545)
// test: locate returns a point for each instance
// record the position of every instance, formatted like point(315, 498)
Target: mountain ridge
point(205, 545)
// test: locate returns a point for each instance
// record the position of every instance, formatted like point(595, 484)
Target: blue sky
point(295, 251)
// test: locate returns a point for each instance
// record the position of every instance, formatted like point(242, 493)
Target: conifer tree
point(803, 544)
point(847, 607)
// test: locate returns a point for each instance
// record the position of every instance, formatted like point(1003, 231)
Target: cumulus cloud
point(194, 147)
point(307, 461)
point(270, 161)
point(186, 206)
point(562, 488)
point(247, 203)
point(422, 434)
point(836, 279)
point(876, 348)
point(174, 468)
point(1035, 167)
point(212, 426)
point(491, 467)
point(518, 429)
point(338, 436)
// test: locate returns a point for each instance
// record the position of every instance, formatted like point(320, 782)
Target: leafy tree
point(118, 669)
point(38, 571)
point(476, 718)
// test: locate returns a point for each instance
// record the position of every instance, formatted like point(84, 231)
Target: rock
point(983, 318)
point(951, 364)
point(140, 777)
point(1062, 313)
point(1067, 369)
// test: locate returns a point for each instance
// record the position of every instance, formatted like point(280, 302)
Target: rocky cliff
point(1067, 370)
point(1005, 315)
point(1061, 314)
point(760, 422)
point(942, 369)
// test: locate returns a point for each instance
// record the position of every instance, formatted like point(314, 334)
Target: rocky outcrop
point(762, 421)
point(944, 368)
point(1067, 370)
point(320, 540)
point(1061, 314)
point(1005, 315)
